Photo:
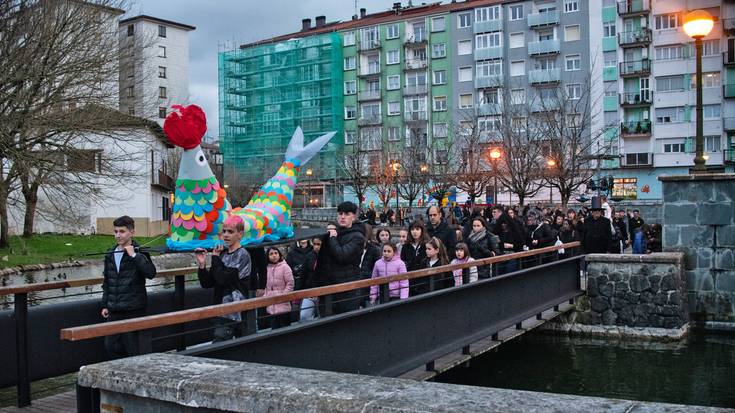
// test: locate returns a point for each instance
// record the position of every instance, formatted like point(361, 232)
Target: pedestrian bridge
point(413, 338)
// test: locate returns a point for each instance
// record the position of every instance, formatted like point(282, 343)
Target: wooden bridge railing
point(250, 305)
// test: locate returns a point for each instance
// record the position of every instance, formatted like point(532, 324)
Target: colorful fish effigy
point(200, 205)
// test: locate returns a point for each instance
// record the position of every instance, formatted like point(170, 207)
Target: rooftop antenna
point(356, 9)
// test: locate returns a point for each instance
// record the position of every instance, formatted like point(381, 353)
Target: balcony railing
point(489, 53)
point(488, 81)
point(419, 116)
point(729, 155)
point(544, 105)
point(370, 120)
point(488, 26)
point(635, 37)
point(638, 127)
point(415, 90)
point(728, 58)
point(628, 7)
point(640, 98)
point(416, 40)
point(543, 47)
point(368, 44)
point(728, 90)
point(162, 180)
point(368, 95)
point(636, 160)
point(544, 75)
point(416, 64)
point(371, 70)
point(487, 109)
point(635, 68)
point(728, 123)
point(543, 19)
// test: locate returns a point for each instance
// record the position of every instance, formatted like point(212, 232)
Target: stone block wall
point(699, 220)
point(635, 291)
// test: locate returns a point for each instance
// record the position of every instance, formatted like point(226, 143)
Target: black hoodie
point(339, 258)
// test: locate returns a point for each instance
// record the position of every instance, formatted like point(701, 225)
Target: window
point(670, 115)
point(371, 139)
point(131, 111)
point(516, 40)
point(162, 92)
point(413, 105)
point(161, 31)
point(518, 123)
point(489, 68)
point(440, 103)
point(463, 20)
point(465, 74)
point(711, 112)
point(487, 40)
point(350, 63)
point(162, 112)
point(674, 147)
point(484, 14)
point(440, 77)
point(518, 68)
point(573, 62)
point(394, 108)
point(710, 79)
point(516, 12)
point(440, 130)
point(348, 39)
point(464, 47)
point(350, 87)
point(416, 79)
point(392, 57)
point(391, 31)
point(490, 97)
point(518, 96)
point(438, 50)
point(571, 33)
point(465, 101)
point(666, 21)
point(437, 24)
point(546, 34)
point(131, 91)
point(670, 83)
point(161, 51)
point(394, 133)
point(489, 124)
point(709, 47)
point(131, 29)
point(608, 29)
point(370, 111)
point(546, 64)
point(670, 52)
point(712, 144)
point(394, 82)
point(574, 91)
point(571, 6)
point(350, 112)
point(161, 72)
point(350, 136)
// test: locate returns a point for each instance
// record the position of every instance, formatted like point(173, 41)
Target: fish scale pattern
point(200, 207)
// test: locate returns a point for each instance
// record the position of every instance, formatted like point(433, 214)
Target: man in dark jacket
point(621, 232)
point(296, 259)
point(440, 229)
point(123, 289)
point(635, 222)
point(540, 234)
point(341, 255)
point(597, 230)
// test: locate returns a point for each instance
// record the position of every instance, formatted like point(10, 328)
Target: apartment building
point(649, 88)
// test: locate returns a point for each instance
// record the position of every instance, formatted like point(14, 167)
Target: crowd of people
point(353, 249)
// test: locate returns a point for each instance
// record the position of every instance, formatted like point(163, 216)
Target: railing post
point(431, 282)
point(385, 293)
point(250, 322)
point(180, 304)
point(328, 305)
point(145, 342)
point(20, 310)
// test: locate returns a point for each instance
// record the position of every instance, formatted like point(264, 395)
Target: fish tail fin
point(297, 151)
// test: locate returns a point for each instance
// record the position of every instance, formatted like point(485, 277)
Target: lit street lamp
point(308, 183)
point(396, 167)
point(495, 155)
point(698, 24)
point(551, 163)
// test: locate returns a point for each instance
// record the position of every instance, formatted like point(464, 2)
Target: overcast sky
point(222, 23)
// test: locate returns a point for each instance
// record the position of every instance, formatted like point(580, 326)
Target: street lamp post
point(495, 155)
point(396, 167)
point(308, 183)
point(698, 24)
point(551, 163)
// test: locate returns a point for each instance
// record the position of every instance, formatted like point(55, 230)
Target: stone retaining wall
point(635, 291)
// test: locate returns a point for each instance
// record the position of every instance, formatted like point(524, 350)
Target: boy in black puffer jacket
point(124, 294)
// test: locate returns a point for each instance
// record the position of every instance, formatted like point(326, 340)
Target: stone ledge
point(657, 257)
point(237, 386)
point(619, 332)
point(697, 177)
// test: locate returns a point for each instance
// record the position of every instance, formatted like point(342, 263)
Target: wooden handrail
point(200, 313)
point(80, 282)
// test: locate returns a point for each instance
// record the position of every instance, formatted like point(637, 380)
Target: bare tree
point(58, 88)
point(473, 174)
point(383, 174)
point(413, 173)
point(443, 165)
point(355, 165)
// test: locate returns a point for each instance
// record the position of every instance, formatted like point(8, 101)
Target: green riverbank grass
point(50, 248)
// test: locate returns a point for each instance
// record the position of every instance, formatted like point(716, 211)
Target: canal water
point(699, 370)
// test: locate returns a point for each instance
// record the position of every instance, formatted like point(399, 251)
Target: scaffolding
point(266, 91)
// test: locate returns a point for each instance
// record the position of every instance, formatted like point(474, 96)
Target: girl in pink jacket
point(280, 281)
point(390, 264)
